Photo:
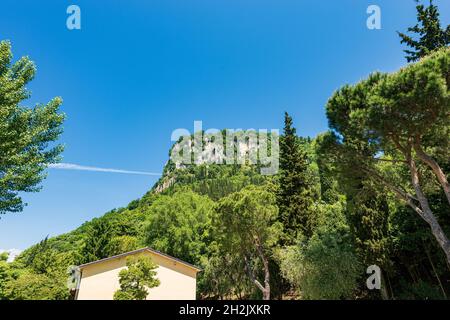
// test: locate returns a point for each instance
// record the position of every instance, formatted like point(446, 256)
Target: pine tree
point(294, 195)
point(98, 241)
point(431, 36)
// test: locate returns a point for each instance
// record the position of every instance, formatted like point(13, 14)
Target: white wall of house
point(99, 281)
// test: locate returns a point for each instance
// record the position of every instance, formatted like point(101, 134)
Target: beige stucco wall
point(99, 281)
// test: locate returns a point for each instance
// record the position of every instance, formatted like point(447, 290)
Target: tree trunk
point(435, 273)
point(384, 291)
point(390, 287)
point(425, 210)
point(266, 291)
point(266, 294)
point(439, 173)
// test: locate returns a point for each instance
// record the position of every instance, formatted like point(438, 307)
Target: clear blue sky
point(137, 70)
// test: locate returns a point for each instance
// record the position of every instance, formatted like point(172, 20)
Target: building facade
point(99, 280)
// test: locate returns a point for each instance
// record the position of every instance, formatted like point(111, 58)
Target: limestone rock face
point(167, 183)
point(212, 151)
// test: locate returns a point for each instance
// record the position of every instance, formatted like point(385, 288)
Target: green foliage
point(247, 219)
point(223, 277)
point(411, 103)
point(136, 279)
point(42, 259)
point(123, 244)
point(368, 215)
point(180, 225)
point(25, 133)
point(4, 278)
point(97, 243)
point(39, 273)
point(366, 208)
point(215, 181)
point(325, 266)
point(420, 291)
point(428, 29)
point(4, 256)
point(327, 164)
point(36, 286)
point(247, 225)
point(294, 197)
point(382, 124)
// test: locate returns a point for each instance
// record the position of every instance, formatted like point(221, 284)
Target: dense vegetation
point(372, 191)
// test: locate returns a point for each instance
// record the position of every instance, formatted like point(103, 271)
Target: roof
point(139, 251)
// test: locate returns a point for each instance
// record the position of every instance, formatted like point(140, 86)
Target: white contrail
point(71, 166)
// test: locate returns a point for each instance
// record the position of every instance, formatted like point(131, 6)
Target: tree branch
point(266, 268)
point(437, 170)
point(402, 194)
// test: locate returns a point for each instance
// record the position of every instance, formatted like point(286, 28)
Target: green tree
point(25, 133)
point(4, 256)
point(27, 285)
point(247, 224)
point(222, 276)
point(123, 244)
point(327, 166)
point(136, 279)
point(39, 273)
point(367, 208)
point(4, 275)
point(97, 243)
point(294, 197)
point(368, 216)
point(416, 252)
point(41, 258)
point(324, 266)
point(399, 120)
point(428, 29)
point(180, 225)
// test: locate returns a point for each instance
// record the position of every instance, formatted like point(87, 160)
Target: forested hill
point(178, 193)
point(175, 216)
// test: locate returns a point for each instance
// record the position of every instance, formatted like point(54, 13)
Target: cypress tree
point(294, 195)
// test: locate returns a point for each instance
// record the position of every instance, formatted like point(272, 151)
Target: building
point(99, 280)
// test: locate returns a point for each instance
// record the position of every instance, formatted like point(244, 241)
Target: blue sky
point(137, 70)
